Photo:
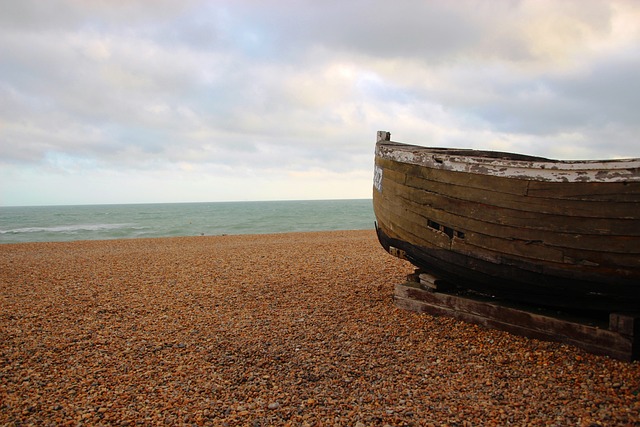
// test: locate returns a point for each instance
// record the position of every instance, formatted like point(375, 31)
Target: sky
point(114, 101)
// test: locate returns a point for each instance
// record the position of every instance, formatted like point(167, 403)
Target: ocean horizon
point(19, 224)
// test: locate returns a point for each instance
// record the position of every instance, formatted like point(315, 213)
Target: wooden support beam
point(619, 339)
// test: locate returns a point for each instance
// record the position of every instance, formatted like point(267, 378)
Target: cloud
point(259, 94)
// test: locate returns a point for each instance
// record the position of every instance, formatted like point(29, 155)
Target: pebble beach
point(292, 329)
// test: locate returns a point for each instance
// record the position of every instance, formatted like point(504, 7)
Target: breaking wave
point(72, 229)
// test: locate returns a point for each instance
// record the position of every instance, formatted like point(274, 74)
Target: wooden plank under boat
point(523, 228)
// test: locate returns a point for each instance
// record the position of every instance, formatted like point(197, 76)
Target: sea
point(129, 221)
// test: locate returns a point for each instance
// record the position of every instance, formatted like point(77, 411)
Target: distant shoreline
point(251, 236)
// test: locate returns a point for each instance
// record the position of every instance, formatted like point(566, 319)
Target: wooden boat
point(514, 227)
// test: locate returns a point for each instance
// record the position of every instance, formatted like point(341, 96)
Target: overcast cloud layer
point(166, 101)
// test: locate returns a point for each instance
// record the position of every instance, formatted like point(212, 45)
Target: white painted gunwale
point(615, 170)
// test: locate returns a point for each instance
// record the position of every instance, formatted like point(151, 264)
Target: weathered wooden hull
point(553, 233)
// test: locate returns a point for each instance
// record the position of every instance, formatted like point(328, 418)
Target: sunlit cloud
point(242, 100)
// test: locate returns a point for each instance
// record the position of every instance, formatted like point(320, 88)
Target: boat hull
point(556, 234)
